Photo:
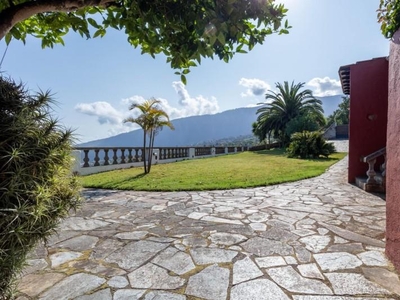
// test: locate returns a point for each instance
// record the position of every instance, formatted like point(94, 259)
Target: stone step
point(379, 187)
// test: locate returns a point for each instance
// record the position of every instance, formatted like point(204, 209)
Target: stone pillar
point(156, 156)
point(213, 152)
point(76, 164)
point(191, 153)
point(393, 156)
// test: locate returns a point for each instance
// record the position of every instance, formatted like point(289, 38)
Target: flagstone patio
point(315, 239)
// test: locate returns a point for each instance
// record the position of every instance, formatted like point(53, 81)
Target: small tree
point(152, 119)
point(36, 184)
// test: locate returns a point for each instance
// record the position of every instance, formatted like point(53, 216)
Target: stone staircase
point(374, 181)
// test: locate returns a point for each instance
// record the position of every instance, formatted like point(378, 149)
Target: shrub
point(36, 184)
point(309, 145)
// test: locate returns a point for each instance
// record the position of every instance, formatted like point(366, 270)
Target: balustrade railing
point(202, 151)
point(173, 152)
point(104, 156)
point(219, 150)
point(91, 160)
point(371, 161)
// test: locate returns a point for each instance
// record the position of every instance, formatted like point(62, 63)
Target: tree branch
point(12, 15)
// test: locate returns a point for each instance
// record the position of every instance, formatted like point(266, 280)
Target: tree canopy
point(184, 30)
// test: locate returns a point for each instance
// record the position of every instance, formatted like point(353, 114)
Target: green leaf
point(183, 79)
point(277, 24)
point(221, 38)
point(192, 64)
point(93, 23)
point(98, 33)
point(8, 38)
point(15, 33)
point(213, 39)
point(93, 10)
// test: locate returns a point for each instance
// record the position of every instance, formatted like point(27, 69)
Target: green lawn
point(246, 169)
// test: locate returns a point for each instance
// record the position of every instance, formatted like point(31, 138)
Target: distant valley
point(196, 130)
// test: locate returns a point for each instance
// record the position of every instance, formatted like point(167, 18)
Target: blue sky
point(95, 80)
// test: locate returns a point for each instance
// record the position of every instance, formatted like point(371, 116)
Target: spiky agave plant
point(36, 184)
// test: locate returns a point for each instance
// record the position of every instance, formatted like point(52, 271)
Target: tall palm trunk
point(149, 158)
point(144, 152)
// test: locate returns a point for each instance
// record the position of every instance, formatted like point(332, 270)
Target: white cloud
point(188, 106)
point(255, 87)
point(326, 86)
point(199, 105)
point(131, 100)
point(105, 113)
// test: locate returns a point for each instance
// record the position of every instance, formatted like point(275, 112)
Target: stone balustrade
point(374, 182)
point(90, 160)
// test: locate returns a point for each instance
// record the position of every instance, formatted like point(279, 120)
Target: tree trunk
point(151, 144)
point(144, 152)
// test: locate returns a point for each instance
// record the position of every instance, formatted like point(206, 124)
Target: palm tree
point(151, 120)
point(158, 120)
point(285, 105)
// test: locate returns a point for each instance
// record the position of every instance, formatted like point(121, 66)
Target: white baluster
point(371, 172)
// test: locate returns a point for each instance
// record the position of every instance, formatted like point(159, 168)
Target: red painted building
point(374, 89)
point(367, 84)
point(393, 156)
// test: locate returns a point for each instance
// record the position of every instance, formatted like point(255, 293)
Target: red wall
point(393, 158)
point(368, 112)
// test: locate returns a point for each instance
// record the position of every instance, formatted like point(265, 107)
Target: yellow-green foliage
point(36, 188)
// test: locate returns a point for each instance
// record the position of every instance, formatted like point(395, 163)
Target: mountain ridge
point(197, 129)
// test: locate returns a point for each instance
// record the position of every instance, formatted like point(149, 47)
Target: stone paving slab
point(315, 239)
